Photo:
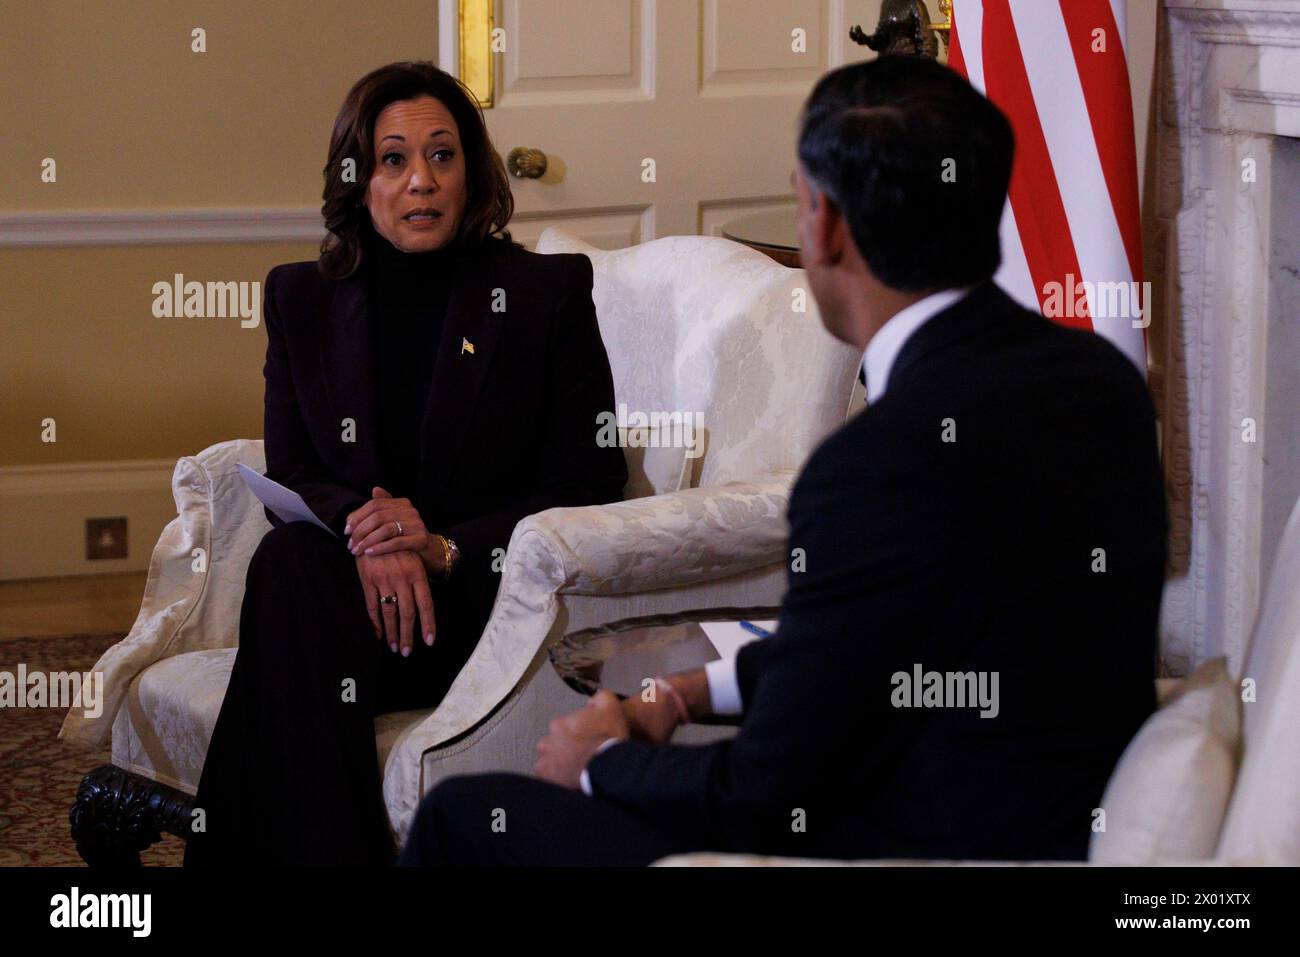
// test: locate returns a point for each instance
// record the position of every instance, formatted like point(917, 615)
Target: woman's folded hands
point(395, 555)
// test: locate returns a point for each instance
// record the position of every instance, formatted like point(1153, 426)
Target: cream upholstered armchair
point(692, 325)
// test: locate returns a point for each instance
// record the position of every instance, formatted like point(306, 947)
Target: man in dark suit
point(968, 639)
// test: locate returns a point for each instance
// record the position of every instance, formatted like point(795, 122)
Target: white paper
point(284, 502)
point(728, 636)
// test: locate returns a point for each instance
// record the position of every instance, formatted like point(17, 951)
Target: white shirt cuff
point(724, 689)
point(583, 779)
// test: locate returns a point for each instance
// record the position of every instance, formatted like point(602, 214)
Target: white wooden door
point(657, 117)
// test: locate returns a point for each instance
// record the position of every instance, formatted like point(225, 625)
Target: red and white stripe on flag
point(1071, 233)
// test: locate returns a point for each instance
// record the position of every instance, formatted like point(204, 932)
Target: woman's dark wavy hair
point(488, 202)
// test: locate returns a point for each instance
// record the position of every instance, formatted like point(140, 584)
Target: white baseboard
point(44, 508)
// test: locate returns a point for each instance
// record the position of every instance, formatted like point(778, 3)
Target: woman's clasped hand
point(394, 561)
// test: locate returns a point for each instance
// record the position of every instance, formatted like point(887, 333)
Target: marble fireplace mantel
point(1224, 268)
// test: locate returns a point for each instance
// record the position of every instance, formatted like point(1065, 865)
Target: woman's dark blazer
point(510, 425)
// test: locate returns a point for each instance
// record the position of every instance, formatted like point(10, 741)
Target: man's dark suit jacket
point(510, 425)
point(979, 554)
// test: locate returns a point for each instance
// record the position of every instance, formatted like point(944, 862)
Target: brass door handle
point(524, 162)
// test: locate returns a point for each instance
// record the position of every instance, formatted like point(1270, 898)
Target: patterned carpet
point(39, 774)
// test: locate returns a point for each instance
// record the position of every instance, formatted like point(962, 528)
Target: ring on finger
point(399, 527)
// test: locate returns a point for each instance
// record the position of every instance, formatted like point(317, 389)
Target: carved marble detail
point(1229, 85)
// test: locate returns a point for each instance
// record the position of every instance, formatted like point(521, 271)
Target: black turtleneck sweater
point(409, 293)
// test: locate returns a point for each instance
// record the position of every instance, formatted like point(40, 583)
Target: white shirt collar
point(885, 345)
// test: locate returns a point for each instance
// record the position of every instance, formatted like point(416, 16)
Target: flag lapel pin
point(466, 346)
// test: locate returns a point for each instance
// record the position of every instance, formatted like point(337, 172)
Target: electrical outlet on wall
point(105, 538)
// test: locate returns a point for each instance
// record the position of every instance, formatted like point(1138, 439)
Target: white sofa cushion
point(1167, 798)
point(1263, 822)
point(655, 465)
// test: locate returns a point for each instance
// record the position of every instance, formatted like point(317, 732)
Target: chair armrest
point(669, 540)
point(652, 543)
point(196, 577)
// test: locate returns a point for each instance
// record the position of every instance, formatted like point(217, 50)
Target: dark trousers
point(292, 775)
point(509, 819)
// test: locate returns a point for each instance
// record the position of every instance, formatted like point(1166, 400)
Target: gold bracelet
point(448, 546)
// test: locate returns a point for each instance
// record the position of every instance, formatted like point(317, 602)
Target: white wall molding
point(43, 512)
point(132, 227)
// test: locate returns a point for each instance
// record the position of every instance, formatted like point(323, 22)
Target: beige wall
point(82, 346)
point(112, 92)
point(134, 119)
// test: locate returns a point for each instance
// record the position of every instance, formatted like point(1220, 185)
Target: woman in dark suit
point(428, 384)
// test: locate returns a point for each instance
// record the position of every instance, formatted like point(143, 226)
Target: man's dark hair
point(878, 137)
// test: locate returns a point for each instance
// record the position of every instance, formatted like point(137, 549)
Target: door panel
point(657, 117)
point(554, 59)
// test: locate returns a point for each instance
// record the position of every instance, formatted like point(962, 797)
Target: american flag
point(1071, 234)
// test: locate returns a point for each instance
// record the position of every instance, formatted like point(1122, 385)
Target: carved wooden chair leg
point(118, 814)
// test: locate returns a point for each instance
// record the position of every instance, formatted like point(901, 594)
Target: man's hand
point(654, 720)
point(573, 739)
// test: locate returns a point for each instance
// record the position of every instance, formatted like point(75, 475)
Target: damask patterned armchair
point(692, 324)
